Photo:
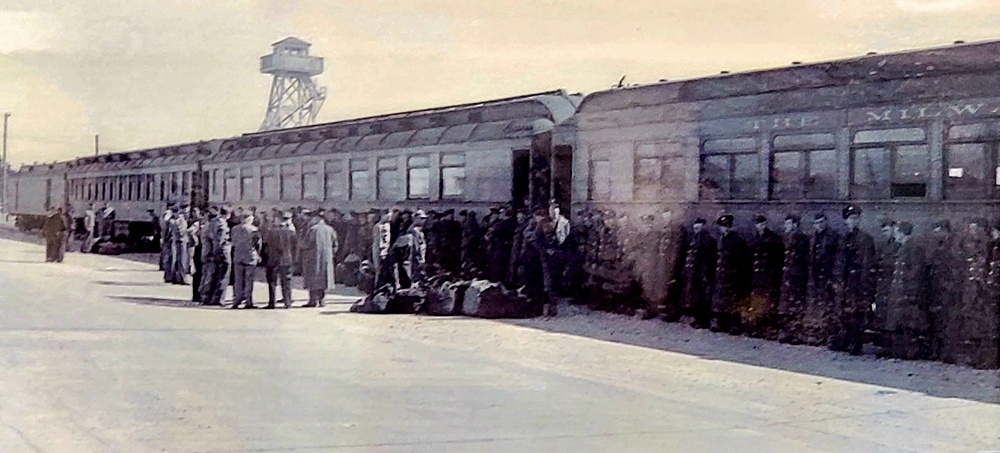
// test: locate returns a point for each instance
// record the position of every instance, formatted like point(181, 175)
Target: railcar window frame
point(731, 149)
point(896, 140)
point(988, 138)
point(420, 163)
point(808, 146)
point(664, 174)
point(453, 176)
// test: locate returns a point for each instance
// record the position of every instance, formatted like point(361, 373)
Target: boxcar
point(35, 189)
point(912, 135)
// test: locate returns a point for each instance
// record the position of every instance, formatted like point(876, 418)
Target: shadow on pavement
point(161, 302)
point(112, 283)
point(41, 261)
point(931, 378)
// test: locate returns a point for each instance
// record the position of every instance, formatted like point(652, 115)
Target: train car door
point(520, 169)
point(562, 176)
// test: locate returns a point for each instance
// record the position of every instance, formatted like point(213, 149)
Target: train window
point(270, 188)
point(291, 182)
point(388, 185)
point(977, 131)
point(902, 135)
point(870, 178)
point(821, 182)
point(360, 185)
point(312, 181)
point(231, 185)
point(658, 177)
point(910, 171)
point(333, 183)
point(966, 171)
point(786, 176)
point(452, 182)
point(600, 180)
point(730, 176)
point(418, 177)
point(247, 187)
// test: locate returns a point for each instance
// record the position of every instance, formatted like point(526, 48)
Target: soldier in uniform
point(906, 315)
point(280, 241)
point(517, 263)
point(499, 239)
point(768, 252)
point(54, 229)
point(246, 256)
point(180, 261)
point(165, 247)
point(970, 327)
point(732, 278)
point(794, 282)
point(944, 282)
point(700, 259)
point(886, 248)
point(855, 277)
point(451, 243)
point(822, 257)
point(216, 257)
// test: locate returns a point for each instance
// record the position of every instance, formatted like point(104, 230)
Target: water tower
point(295, 98)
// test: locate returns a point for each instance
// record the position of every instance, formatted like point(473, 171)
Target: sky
point(144, 73)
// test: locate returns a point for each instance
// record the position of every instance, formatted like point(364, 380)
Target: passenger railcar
point(466, 156)
point(912, 135)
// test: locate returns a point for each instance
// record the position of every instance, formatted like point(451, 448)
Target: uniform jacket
point(768, 252)
point(700, 260)
point(907, 305)
point(856, 272)
point(732, 274)
point(795, 273)
point(246, 245)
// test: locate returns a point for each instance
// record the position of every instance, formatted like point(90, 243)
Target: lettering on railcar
point(969, 109)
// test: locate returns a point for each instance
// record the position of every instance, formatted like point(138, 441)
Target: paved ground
point(97, 355)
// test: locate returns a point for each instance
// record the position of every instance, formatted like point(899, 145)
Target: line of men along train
point(934, 296)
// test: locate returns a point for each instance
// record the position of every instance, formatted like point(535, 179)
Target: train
point(914, 135)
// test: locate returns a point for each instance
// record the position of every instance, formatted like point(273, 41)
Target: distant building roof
point(291, 41)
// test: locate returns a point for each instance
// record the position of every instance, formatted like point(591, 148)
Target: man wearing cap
point(418, 248)
point(499, 240)
point(945, 281)
point(216, 256)
point(318, 264)
point(856, 280)
point(246, 257)
point(906, 310)
point(281, 242)
point(90, 228)
point(700, 259)
point(768, 253)
point(971, 324)
point(886, 248)
point(823, 246)
point(164, 226)
point(732, 278)
point(451, 242)
point(794, 282)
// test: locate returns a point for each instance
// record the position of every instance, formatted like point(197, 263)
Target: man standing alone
point(54, 230)
point(317, 261)
point(281, 245)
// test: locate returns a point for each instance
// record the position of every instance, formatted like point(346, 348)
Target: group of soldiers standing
point(929, 297)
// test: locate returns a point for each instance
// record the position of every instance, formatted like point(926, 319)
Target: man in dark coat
point(54, 230)
point(732, 279)
point(499, 240)
point(822, 260)
point(281, 242)
point(768, 253)
point(318, 262)
point(855, 278)
point(970, 325)
point(905, 311)
point(700, 259)
point(794, 282)
point(945, 282)
point(886, 248)
point(106, 221)
point(216, 257)
point(471, 244)
point(450, 234)
point(246, 256)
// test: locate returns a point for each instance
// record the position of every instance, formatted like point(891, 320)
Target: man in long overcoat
point(856, 280)
point(318, 264)
point(794, 282)
point(886, 248)
point(732, 279)
point(54, 229)
point(970, 326)
point(905, 311)
point(823, 246)
point(700, 260)
point(768, 252)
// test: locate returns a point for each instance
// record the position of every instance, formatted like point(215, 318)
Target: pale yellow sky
point(154, 72)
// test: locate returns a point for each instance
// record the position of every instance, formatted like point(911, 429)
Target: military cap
point(495, 209)
point(850, 210)
point(420, 213)
point(286, 215)
point(905, 227)
point(758, 218)
point(793, 217)
point(319, 212)
point(725, 220)
point(978, 221)
point(224, 210)
point(820, 216)
point(449, 211)
point(151, 211)
point(700, 220)
point(305, 210)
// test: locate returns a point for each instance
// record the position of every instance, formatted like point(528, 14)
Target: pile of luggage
point(441, 296)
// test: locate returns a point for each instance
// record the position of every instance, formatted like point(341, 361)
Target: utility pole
point(3, 196)
point(97, 144)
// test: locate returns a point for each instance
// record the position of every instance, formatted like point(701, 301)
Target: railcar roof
point(978, 57)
